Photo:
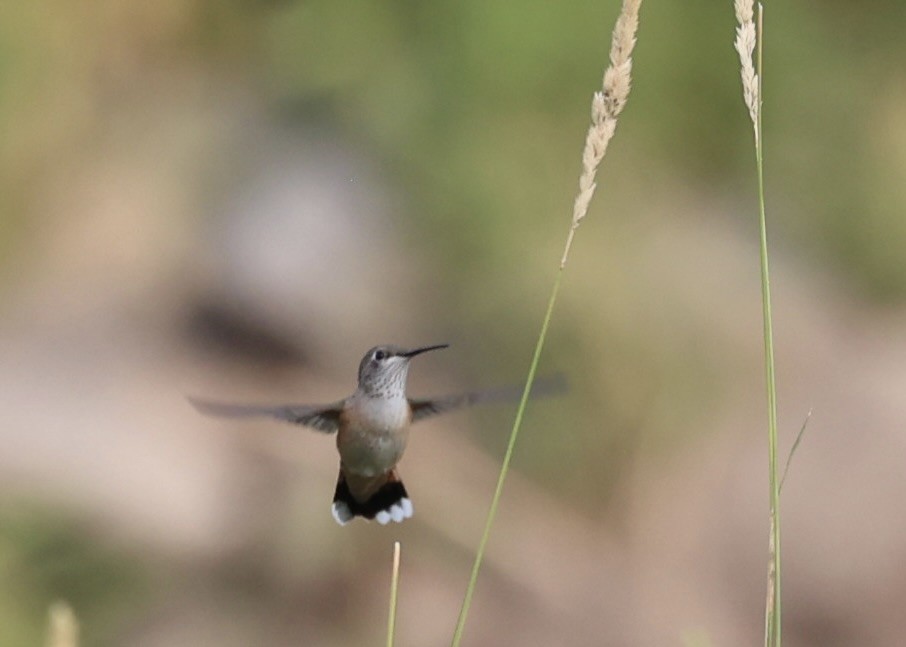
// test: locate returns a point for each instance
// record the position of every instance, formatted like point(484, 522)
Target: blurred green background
point(239, 198)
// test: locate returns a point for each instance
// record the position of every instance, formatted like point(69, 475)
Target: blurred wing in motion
point(546, 386)
point(325, 418)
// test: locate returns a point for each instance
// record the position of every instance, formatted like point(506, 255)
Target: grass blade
point(789, 458)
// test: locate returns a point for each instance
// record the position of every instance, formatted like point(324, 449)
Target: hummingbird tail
point(389, 501)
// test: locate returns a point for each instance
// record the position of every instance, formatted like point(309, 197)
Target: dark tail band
point(390, 503)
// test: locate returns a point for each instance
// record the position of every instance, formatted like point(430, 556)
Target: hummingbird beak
point(424, 349)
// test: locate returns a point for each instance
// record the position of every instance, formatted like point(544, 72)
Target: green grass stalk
point(773, 635)
point(606, 106)
point(747, 37)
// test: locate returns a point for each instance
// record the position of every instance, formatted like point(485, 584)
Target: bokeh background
point(236, 199)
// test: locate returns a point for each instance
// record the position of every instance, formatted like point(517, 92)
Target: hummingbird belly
point(372, 436)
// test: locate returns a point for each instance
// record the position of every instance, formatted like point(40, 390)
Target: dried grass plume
point(63, 628)
point(745, 46)
point(606, 105)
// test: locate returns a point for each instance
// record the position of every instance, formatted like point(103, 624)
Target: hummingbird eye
point(379, 355)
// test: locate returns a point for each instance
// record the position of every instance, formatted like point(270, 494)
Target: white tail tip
point(341, 513)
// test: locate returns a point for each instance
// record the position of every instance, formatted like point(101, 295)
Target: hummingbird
point(372, 430)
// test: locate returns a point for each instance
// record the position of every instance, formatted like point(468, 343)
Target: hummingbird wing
point(426, 408)
point(324, 418)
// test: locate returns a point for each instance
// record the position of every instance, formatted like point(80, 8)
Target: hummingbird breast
point(372, 434)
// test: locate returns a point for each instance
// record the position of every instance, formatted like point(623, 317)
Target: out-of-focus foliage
point(44, 558)
point(478, 107)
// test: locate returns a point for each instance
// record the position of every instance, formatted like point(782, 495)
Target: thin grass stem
point(606, 106)
point(504, 469)
point(394, 591)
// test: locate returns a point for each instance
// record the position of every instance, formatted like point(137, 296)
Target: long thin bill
point(423, 349)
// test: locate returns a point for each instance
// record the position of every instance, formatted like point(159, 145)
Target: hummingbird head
point(383, 370)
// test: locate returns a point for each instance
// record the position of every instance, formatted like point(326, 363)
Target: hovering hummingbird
point(372, 427)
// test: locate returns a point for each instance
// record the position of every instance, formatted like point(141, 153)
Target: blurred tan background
point(236, 199)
